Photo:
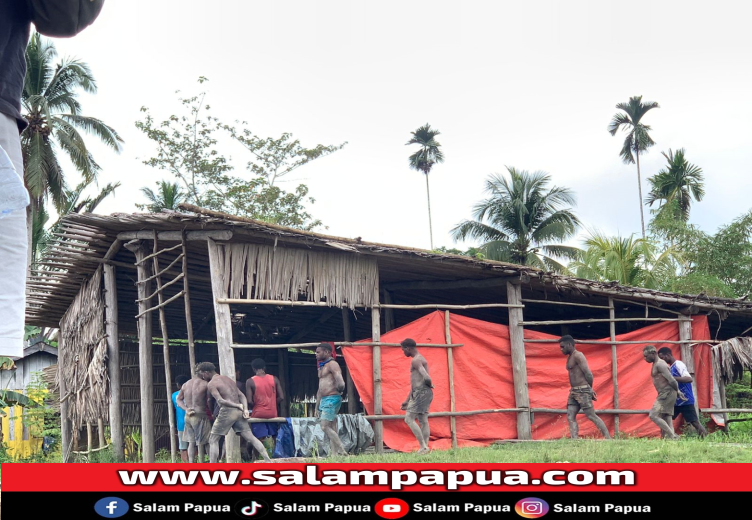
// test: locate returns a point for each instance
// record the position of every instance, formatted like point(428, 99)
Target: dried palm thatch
point(732, 358)
point(83, 355)
point(261, 272)
point(50, 378)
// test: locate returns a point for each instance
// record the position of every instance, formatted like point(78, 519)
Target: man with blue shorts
point(329, 396)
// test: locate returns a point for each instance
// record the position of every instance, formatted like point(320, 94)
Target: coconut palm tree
point(424, 159)
point(168, 196)
point(523, 222)
point(637, 140)
point(51, 107)
point(628, 261)
point(678, 181)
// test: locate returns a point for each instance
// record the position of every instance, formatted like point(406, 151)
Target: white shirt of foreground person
point(13, 251)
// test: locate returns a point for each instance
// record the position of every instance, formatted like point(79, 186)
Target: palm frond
point(96, 127)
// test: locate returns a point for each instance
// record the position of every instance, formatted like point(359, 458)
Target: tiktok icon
point(251, 508)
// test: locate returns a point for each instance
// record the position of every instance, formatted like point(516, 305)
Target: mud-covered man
point(193, 398)
point(668, 390)
point(581, 393)
point(233, 411)
point(329, 396)
point(421, 395)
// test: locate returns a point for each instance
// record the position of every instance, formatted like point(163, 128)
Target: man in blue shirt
point(180, 418)
point(685, 402)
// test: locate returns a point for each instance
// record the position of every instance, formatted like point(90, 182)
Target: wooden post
point(223, 321)
point(100, 430)
point(687, 351)
point(519, 363)
point(614, 366)
point(283, 357)
point(378, 428)
point(166, 355)
point(450, 364)
point(145, 363)
point(66, 435)
point(388, 313)
point(113, 362)
point(352, 392)
point(187, 298)
point(89, 439)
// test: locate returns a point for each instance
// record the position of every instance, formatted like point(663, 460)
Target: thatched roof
point(408, 274)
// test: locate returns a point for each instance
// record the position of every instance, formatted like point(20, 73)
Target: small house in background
point(17, 435)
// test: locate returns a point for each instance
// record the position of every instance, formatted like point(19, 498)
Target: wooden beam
point(223, 322)
point(283, 368)
point(614, 366)
point(377, 395)
point(519, 363)
point(187, 298)
point(165, 349)
point(176, 236)
point(145, 361)
point(443, 285)
point(553, 302)
point(113, 362)
point(352, 393)
point(340, 344)
point(450, 365)
point(604, 320)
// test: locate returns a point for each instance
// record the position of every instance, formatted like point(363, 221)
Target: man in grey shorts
point(192, 398)
point(421, 395)
point(233, 411)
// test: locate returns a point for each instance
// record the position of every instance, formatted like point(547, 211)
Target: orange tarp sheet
point(483, 379)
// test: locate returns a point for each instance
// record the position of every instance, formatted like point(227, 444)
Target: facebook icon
point(111, 507)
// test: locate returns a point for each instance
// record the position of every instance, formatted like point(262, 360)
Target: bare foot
point(424, 451)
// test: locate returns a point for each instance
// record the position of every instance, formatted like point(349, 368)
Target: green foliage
point(429, 153)
point(168, 196)
point(523, 222)
point(472, 252)
point(630, 121)
point(678, 182)
point(187, 148)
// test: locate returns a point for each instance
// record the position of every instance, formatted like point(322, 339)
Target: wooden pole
point(450, 364)
point(100, 430)
point(166, 354)
point(66, 435)
point(187, 298)
point(223, 322)
point(377, 396)
point(145, 362)
point(352, 393)
point(614, 366)
point(283, 356)
point(89, 439)
point(113, 362)
point(388, 312)
point(519, 363)
point(687, 351)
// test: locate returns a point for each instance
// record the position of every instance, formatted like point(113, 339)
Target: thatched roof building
point(218, 283)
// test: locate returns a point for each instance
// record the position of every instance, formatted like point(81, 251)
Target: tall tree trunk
point(639, 189)
point(31, 210)
point(430, 226)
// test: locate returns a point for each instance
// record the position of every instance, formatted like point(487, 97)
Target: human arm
point(243, 403)
point(180, 401)
point(684, 375)
point(224, 402)
point(338, 379)
point(666, 373)
point(280, 392)
point(250, 388)
point(423, 371)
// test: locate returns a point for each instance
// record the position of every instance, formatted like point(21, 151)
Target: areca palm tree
point(51, 106)
point(523, 222)
point(679, 182)
point(424, 159)
point(637, 140)
point(628, 261)
point(168, 196)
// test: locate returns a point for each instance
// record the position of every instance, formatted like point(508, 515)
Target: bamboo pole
point(156, 253)
point(604, 320)
point(614, 366)
point(113, 362)
point(161, 305)
point(165, 350)
point(608, 342)
point(552, 302)
point(352, 392)
point(377, 395)
point(438, 306)
point(65, 425)
point(519, 363)
point(450, 365)
point(89, 439)
point(224, 332)
point(100, 431)
point(146, 373)
point(338, 344)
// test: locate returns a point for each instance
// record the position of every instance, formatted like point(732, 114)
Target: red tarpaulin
point(483, 379)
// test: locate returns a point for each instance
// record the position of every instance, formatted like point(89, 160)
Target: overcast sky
point(526, 84)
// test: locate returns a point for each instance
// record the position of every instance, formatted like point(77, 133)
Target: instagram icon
point(531, 507)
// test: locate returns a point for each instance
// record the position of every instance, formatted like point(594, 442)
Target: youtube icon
point(391, 508)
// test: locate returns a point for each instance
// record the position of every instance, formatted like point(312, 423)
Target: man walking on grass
point(421, 395)
point(193, 399)
point(668, 389)
point(685, 401)
point(329, 396)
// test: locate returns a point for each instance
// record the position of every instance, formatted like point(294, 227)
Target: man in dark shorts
point(668, 389)
point(581, 393)
point(233, 411)
point(685, 401)
point(421, 395)
point(193, 398)
point(264, 394)
point(329, 396)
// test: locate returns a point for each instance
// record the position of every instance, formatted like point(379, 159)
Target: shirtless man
point(233, 411)
point(668, 390)
point(192, 398)
point(421, 395)
point(329, 396)
point(581, 394)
